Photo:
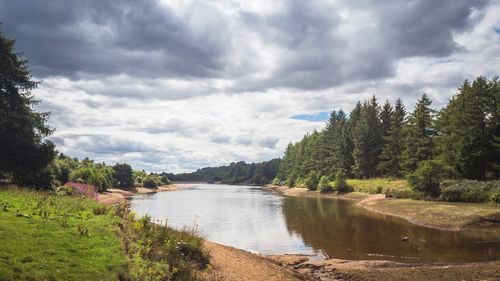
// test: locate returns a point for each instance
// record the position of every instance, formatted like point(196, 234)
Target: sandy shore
point(116, 196)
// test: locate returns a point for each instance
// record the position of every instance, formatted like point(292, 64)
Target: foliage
point(157, 252)
point(469, 126)
point(78, 189)
point(340, 181)
point(311, 181)
point(24, 152)
point(98, 176)
point(123, 175)
point(239, 172)
point(276, 181)
point(151, 181)
point(390, 157)
point(419, 134)
point(427, 177)
point(470, 191)
point(324, 184)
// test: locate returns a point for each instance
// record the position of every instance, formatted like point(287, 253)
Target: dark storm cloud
point(142, 38)
point(316, 45)
point(323, 55)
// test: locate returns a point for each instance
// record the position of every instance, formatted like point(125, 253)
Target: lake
point(262, 221)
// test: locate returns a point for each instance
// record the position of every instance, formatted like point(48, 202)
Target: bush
point(311, 181)
point(78, 189)
point(276, 181)
point(426, 178)
point(150, 182)
point(324, 184)
point(340, 181)
point(300, 182)
point(470, 191)
point(290, 181)
point(396, 193)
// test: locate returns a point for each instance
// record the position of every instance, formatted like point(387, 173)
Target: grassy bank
point(57, 237)
point(46, 237)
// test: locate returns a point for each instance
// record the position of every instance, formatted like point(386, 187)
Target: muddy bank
point(432, 214)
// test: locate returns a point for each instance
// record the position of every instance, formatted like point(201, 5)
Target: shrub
point(397, 193)
point(324, 184)
point(311, 181)
point(150, 182)
point(300, 182)
point(276, 181)
point(427, 177)
point(470, 191)
point(80, 189)
point(340, 181)
point(290, 181)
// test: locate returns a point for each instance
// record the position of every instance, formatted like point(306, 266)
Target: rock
point(404, 238)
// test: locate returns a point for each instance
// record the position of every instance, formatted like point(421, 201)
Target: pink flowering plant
point(80, 189)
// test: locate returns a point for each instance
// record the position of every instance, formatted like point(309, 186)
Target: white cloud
point(196, 84)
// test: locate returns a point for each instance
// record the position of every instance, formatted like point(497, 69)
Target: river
point(262, 221)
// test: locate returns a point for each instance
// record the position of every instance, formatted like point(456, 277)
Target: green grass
point(398, 188)
point(49, 237)
point(59, 237)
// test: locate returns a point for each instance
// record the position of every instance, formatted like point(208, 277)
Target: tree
point(467, 129)
point(24, 152)
point(324, 184)
point(367, 139)
point(311, 181)
point(419, 135)
point(390, 157)
point(427, 177)
point(124, 176)
point(340, 181)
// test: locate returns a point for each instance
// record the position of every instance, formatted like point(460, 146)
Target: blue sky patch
point(314, 117)
point(497, 29)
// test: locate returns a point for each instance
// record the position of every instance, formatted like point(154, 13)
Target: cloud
point(78, 39)
point(178, 85)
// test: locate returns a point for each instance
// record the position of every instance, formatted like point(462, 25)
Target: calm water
point(256, 220)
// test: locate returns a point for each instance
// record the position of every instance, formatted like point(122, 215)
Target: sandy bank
point(116, 195)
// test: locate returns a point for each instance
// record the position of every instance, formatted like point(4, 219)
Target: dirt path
point(234, 265)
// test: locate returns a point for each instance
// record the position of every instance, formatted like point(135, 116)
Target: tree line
point(236, 172)
point(460, 141)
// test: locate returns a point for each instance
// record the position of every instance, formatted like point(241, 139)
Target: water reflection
point(348, 232)
point(256, 220)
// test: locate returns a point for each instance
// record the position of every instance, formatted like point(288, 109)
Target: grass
point(44, 237)
point(438, 214)
point(58, 237)
point(396, 188)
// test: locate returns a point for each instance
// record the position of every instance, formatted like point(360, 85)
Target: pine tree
point(24, 151)
point(466, 130)
point(367, 139)
point(390, 158)
point(419, 133)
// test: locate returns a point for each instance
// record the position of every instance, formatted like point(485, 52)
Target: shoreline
point(115, 196)
point(230, 263)
point(369, 202)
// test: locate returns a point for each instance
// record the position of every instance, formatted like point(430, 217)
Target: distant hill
point(239, 172)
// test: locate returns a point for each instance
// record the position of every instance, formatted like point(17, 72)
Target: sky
point(179, 85)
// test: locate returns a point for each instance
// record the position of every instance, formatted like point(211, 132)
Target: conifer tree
point(390, 158)
point(466, 130)
point(419, 133)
